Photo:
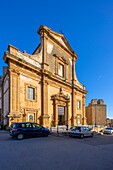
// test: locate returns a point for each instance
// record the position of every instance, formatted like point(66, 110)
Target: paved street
point(56, 153)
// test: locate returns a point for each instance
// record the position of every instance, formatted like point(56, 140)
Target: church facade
point(43, 87)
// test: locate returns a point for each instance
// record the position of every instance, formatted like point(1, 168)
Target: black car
point(21, 130)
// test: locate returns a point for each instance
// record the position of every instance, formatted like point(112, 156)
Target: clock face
point(49, 48)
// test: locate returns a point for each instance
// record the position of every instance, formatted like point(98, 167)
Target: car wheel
point(20, 136)
point(92, 135)
point(45, 134)
point(81, 136)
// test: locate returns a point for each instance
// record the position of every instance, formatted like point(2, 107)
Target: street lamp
point(67, 100)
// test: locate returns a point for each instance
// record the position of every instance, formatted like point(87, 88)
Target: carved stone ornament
point(15, 71)
point(60, 96)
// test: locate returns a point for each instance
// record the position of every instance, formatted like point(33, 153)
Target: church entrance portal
point(60, 108)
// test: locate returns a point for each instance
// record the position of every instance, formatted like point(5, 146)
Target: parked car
point(108, 130)
point(80, 131)
point(21, 130)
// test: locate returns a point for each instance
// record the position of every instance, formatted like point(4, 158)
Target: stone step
point(59, 128)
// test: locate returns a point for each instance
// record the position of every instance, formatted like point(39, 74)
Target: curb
point(59, 134)
point(4, 131)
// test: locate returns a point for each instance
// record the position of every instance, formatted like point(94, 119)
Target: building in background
point(96, 113)
point(109, 122)
point(42, 87)
point(4, 96)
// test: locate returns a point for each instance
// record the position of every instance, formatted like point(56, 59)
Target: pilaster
point(84, 112)
point(44, 103)
point(14, 91)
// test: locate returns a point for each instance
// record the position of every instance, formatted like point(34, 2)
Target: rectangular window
point(78, 105)
point(61, 70)
point(31, 93)
point(31, 117)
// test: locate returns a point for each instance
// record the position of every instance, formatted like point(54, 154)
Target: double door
point(61, 115)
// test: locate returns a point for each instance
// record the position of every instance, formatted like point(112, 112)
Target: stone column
point(73, 89)
point(44, 49)
point(55, 113)
point(44, 95)
point(67, 116)
point(14, 92)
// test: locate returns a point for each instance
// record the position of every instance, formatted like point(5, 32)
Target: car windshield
point(16, 125)
point(13, 125)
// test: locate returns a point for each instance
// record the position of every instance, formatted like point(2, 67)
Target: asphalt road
point(56, 153)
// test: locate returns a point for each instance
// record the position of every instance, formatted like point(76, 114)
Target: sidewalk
point(3, 131)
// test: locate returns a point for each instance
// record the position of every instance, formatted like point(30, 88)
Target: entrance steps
point(59, 130)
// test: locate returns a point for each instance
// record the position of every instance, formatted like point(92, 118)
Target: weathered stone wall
point(51, 60)
point(96, 113)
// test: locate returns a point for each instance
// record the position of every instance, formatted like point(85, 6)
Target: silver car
point(80, 131)
point(108, 130)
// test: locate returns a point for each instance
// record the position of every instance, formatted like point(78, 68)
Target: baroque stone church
point(43, 87)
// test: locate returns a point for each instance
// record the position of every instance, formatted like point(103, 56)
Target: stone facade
point(4, 96)
point(43, 86)
point(96, 112)
point(109, 122)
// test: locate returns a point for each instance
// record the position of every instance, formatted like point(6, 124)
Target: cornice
point(61, 58)
point(20, 61)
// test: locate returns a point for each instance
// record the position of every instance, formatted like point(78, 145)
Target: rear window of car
point(15, 125)
point(109, 128)
point(76, 128)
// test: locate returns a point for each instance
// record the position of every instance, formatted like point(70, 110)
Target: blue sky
point(86, 24)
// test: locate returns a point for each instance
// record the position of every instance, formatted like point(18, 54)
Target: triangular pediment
point(59, 38)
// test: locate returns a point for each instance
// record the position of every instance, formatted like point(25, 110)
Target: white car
point(108, 130)
point(80, 131)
